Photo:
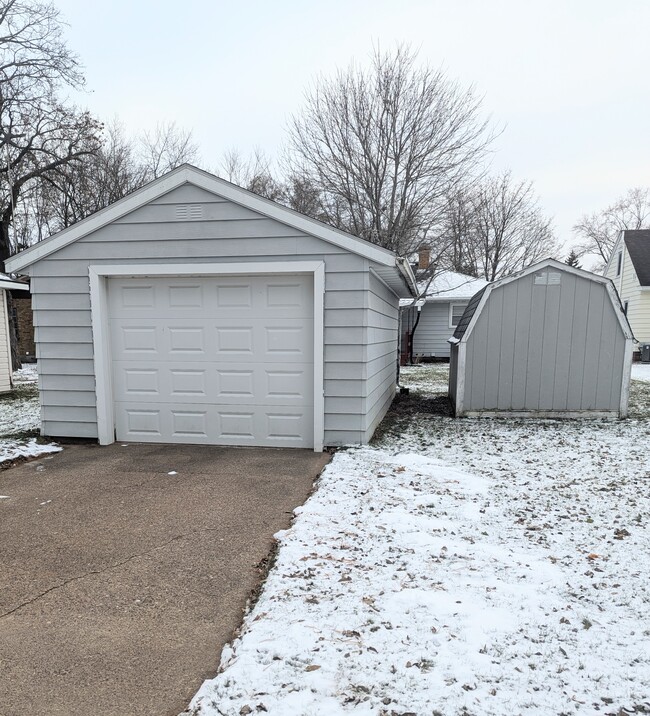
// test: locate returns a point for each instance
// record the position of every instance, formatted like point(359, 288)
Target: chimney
point(424, 257)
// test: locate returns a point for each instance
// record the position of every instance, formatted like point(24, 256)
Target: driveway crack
point(94, 572)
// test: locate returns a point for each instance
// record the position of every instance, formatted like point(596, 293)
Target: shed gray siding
point(549, 348)
point(360, 311)
point(433, 331)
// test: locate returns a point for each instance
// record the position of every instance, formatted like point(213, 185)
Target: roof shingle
point(637, 243)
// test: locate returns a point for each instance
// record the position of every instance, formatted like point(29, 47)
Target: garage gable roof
point(187, 174)
point(476, 305)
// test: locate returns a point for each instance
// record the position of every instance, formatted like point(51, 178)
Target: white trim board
point(187, 174)
point(99, 275)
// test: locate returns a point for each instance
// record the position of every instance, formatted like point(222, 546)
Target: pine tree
point(572, 260)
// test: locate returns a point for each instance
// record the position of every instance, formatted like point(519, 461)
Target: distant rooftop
point(450, 285)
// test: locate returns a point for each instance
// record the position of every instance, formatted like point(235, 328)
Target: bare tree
point(38, 132)
point(254, 173)
point(165, 148)
point(504, 228)
point(120, 165)
point(73, 191)
point(597, 232)
point(384, 147)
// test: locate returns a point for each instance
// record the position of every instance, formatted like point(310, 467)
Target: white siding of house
point(227, 232)
point(630, 291)
point(433, 331)
point(5, 351)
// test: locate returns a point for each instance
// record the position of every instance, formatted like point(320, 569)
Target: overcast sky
point(568, 80)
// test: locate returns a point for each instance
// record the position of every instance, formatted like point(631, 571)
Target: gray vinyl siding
point(552, 348)
point(382, 355)
point(433, 330)
point(360, 312)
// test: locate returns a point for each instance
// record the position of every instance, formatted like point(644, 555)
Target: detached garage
point(550, 341)
point(193, 311)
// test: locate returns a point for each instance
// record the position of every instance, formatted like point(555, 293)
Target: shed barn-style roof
point(478, 301)
point(469, 312)
point(637, 243)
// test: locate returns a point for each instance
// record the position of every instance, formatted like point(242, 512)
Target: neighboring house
point(629, 269)
point(428, 324)
point(550, 341)
point(193, 311)
point(6, 284)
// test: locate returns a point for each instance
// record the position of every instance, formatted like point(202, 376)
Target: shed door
point(219, 360)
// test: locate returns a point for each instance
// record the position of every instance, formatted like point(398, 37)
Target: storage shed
point(193, 311)
point(550, 341)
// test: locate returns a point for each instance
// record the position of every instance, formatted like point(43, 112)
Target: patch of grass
point(639, 406)
point(26, 435)
point(27, 391)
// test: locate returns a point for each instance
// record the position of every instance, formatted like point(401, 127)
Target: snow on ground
point(641, 371)
point(458, 567)
point(20, 417)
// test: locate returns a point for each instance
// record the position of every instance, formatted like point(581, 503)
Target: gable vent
point(188, 212)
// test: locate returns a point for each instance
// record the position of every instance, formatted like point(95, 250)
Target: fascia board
point(13, 286)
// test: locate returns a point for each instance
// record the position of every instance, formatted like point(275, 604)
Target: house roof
point(452, 286)
point(475, 306)
point(447, 286)
point(388, 266)
point(637, 243)
point(11, 283)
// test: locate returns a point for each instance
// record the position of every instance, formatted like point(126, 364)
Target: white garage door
point(219, 360)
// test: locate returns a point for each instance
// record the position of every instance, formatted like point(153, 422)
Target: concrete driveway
point(121, 582)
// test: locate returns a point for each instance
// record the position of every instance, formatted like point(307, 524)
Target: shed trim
point(99, 275)
point(627, 374)
point(187, 174)
point(552, 414)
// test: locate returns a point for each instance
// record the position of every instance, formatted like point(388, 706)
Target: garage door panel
point(215, 424)
point(221, 360)
point(223, 383)
point(261, 297)
point(254, 340)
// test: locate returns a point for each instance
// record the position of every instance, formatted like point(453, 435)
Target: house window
point(619, 263)
point(625, 307)
point(456, 310)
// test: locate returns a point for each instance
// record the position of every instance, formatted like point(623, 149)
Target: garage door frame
point(99, 274)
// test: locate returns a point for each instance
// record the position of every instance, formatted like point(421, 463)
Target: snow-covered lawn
point(459, 567)
point(20, 419)
point(641, 371)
